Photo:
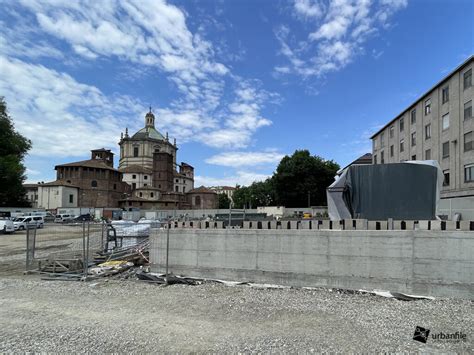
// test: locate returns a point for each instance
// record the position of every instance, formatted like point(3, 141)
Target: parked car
point(6, 226)
point(21, 223)
point(49, 217)
point(63, 218)
point(83, 217)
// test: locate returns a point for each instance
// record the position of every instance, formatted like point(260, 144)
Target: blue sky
point(238, 83)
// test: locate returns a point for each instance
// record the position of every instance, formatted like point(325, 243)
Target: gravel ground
point(127, 316)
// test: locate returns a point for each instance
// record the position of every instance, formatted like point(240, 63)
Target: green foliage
point(224, 201)
point(260, 193)
point(295, 177)
point(13, 148)
point(303, 174)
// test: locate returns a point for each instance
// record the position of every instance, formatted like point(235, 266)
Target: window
point(445, 121)
point(145, 184)
point(446, 149)
point(402, 145)
point(375, 158)
point(427, 107)
point(428, 154)
point(469, 173)
point(468, 139)
point(177, 180)
point(468, 110)
point(467, 79)
point(402, 124)
point(71, 198)
point(413, 139)
point(94, 183)
point(382, 159)
point(135, 152)
point(197, 201)
point(176, 188)
point(134, 185)
point(141, 194)
point(391, 151)
point(392, 130)
point(428, 131)
point(413, 116)
point(382, 135)
point(445, 94)
point(134, 176)
point(184, 189)
point(115, 186)
point(145, 177)
point(159, 186)
point(152, 194)
point(413, 157)
point(446, 178)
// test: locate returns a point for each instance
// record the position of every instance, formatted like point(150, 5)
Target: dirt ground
point(126, 316)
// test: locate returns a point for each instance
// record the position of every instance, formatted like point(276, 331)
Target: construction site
point(196, 286)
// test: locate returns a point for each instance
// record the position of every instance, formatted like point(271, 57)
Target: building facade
point(226, 190)
point(57, 194)
point(438, 126)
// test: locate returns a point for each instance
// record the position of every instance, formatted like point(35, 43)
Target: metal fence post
point(167, 248)
point(30, 245)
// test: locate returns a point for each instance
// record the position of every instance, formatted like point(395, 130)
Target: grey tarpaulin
point(404, 191)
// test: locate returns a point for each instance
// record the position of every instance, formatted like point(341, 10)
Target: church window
point(184, 189)
point(152, 194)
point(135, 151)
point(197, 201)
point(94, 183)
point(141, 194)
point(134, 176)
point(145, 184)
point(134, 186)
point(146, 177)
point(177, 188)
point(115, 186)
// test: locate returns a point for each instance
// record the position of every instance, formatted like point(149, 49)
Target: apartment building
point(438, 126)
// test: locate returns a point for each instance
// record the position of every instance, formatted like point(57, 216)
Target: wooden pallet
point(61, 265)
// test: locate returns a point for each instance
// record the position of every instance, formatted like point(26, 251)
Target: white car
point(22, 222)
point(6, 226)
point(62, 218)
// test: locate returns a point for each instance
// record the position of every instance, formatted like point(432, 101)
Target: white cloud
point(238, 159)
point(214, 106)
point(340, 31)
point(61, 116)
point(242, 178)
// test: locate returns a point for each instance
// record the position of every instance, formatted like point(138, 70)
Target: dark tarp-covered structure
point(403, 191)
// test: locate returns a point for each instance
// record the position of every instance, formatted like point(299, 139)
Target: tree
point(224, 201)
point(13, 148)
point(260, 193)
point(301, 176)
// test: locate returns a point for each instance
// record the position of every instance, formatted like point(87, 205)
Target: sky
point(239, 84)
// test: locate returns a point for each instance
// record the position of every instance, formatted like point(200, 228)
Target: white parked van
point(62, 218)
point(6, 226)
point(22, 223)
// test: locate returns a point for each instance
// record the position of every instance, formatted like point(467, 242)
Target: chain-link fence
point(71, 247)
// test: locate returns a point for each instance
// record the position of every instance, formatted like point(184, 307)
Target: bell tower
point(150, 119)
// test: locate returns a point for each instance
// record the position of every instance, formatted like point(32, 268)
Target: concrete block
point(187, 224)
point(316, 224)
point(273, 224)
point(197, 224)
point(294, 224)
point(219, 224)
point(465, 225)
point(326, 224)
point(246, 225)
point(436, 225)
point(305, 224)
point(424, 225)
point(348, 224)
point(450, 225)
point(336, 225)
point(410, 225)
point(372, 225)
point(265, 224)
point(212, 225)
point(361, 224)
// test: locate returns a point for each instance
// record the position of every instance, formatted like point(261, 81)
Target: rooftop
point(91, 163)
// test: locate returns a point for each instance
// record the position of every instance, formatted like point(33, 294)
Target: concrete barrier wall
point(346, 224)
point(433, 263)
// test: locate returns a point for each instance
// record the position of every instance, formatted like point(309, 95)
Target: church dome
point(148, 132)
